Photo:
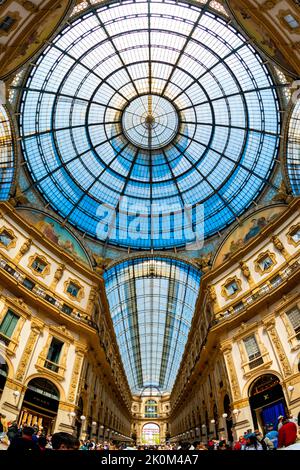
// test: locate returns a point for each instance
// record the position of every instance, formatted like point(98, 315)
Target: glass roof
point(6, 156)
point(293, 154)
point(145, 108)
point(152, 302)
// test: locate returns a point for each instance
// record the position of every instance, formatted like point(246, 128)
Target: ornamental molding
point(13, 242)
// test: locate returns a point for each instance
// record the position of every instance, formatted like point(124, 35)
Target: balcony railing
point(261, 292)
point(43, 294)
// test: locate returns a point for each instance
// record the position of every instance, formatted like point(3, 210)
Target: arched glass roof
point(149, 107)
point(6, 156)
point(293, 151)
point(152, 302)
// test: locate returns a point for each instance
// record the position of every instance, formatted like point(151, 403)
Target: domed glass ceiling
point(139, 109)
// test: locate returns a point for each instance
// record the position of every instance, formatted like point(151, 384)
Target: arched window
point(151, 409)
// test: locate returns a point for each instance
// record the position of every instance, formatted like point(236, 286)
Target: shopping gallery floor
point(149, 217)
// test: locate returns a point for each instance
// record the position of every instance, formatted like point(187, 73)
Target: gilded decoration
point(61, 333)
point(257, 263)
point(240, 236)
point(23, 250)
point(39, 259)
point(29, 348)
point(230, 281)
point(246, 273)
point(76, 374)
point(262, 31)
point(58, 275)
point(280, 247)
point(76, 283)
point(13, 341)
point(16, 17)
point(274, 338)
point(292, 335)
point(282, 14)
point(38, 22)
point(291, 235)
point(10, 236)
point(55, 233)
point(234, 383)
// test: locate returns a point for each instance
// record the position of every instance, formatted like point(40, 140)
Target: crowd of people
point(282, 435)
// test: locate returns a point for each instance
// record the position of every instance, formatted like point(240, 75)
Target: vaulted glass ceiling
point(147, 107)
point(152, 302)
point(6, 156)
point(293, 150)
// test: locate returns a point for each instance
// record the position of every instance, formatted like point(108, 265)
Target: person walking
point(287, 434)
point(12, 431)
point(25, 442)
point(252, 443)
point(272, 434)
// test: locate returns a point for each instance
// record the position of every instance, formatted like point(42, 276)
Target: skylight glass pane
point(152, 302)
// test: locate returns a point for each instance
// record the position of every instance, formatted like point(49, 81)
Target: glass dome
point(140, 110)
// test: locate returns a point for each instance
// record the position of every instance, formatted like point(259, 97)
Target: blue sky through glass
point(215, 145)
point(152, 302)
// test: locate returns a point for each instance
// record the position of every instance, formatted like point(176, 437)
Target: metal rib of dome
point(293, 150)
point(152, 302)
point(161, 104)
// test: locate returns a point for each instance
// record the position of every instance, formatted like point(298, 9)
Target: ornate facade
point(92, 113)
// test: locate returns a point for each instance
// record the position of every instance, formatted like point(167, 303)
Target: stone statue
point(59, 272)
point(212, 296)
point(282, 194)
point(101, 264)
point(25, 247)
point(245, 270)
point(277, 243)
point(203, 262)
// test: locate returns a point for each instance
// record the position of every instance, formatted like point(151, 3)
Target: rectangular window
point(5, 238)
point(73, 289)
point(295, 234)
point(38, 265)
point(28, 284)
point(291, 21)
point(253, 352)
point(54, 355)
point(232, 288)
point(7, 23)
point(66, 309)
point(9, 323)
point(294, 317)
point(266, 263)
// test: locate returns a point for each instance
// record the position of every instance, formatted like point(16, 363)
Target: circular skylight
point(150, 122)
point(138, 114)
